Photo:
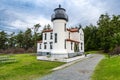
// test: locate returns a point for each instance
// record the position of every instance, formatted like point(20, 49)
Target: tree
point(91, 37)
point(12, 40)
point(104, 31)
point(19, 39)
point(3, 40)
point(107, 27)
point(36, 27)
point(27, 40)
point(47, 27)
point(115, 40)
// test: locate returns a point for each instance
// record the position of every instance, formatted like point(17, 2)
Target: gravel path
point(81, 70)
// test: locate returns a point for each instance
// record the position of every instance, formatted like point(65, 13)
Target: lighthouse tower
point(59, 20)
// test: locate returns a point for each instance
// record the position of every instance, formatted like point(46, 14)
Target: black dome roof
point(59, 14)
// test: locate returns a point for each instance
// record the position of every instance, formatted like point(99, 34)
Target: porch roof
point(72, 40)
point(48, 30)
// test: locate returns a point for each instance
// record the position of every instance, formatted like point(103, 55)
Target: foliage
point(91, 38)
point(36, 27)
point(27, 67)
point(23, 41)
point(47, 27)
point(115, 39)
point(3, 40)
point(108, 69)
point(105, 36)
point(115, 51)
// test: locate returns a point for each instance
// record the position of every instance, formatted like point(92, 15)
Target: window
point(81, 46)
point(51, 45)
point(40, 46)
point(65, 27)
point(45, 36)
point(65, 44)
point(69, 35)
point(71, 45)
point(55, 37)
point(45, 45)
point(80, 36)
point(51, 35)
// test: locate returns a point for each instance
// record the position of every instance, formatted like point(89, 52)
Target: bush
point(1, 51)
point(13, 50)
point(16, 50)
point(9, 50)
point(115, 51)
point(30, 50)
point(19, 50)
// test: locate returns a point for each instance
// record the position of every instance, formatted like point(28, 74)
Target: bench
point(7, 59)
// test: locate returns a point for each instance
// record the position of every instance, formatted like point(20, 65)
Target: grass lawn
point(26, 68)
point(108, 69)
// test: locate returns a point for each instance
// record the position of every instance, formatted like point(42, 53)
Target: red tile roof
point(48, 30)
point(72, 40)
point(73, 30)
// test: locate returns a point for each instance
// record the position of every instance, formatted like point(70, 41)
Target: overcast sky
point(16, 15)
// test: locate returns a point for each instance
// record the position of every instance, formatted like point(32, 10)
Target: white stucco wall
point(81, 40)
point(68, 45)
point(48, 40)
point(59, 28)
point(74, 36)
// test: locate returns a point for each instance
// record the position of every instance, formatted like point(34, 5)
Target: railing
point(7, 59)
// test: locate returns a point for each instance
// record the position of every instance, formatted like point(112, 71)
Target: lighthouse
point(60, 42)
point(59, 20)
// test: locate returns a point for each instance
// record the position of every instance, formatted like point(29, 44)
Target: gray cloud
point(25, 13)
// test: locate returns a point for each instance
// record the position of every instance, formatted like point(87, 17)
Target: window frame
point(55, 37)
point(51, 45)
point(45, 37)
point(51, 35)
point(45, 45)
point(71, 45)
point(81, 46)
point(40, 46)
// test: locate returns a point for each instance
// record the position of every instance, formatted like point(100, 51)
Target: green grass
point(108, 69)
point(26, 67)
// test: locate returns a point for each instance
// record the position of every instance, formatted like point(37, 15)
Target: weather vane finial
point(59, 6)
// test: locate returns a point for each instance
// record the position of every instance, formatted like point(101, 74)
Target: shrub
point(19, 50)
point(9, 50)
point(1, 51)
point(30, 50)
point(14, 50)
point(115, 51)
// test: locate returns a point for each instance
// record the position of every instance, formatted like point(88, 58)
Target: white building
point(61, 42)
